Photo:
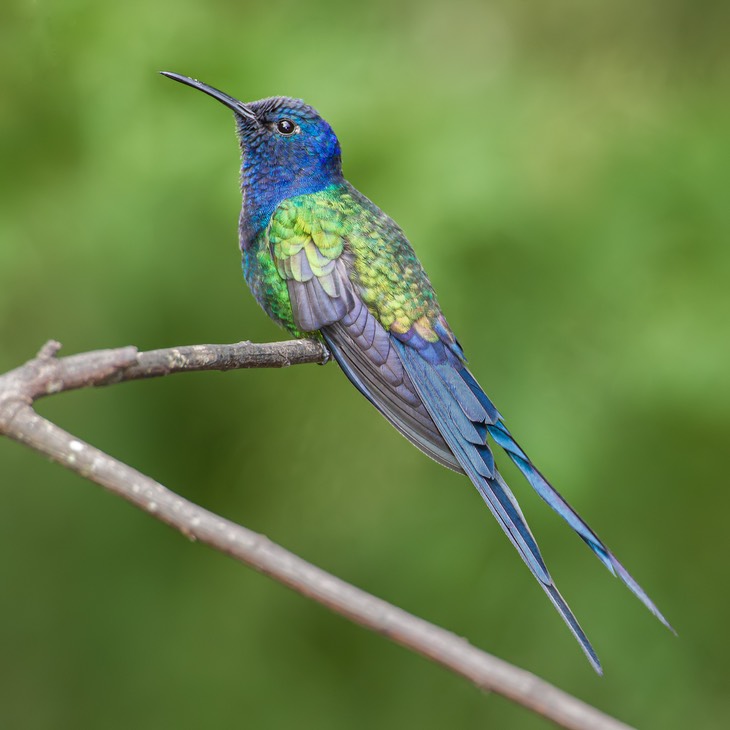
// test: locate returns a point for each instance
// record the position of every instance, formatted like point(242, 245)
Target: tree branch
point(47, 374)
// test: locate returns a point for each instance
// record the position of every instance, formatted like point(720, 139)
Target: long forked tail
point(464, 415)
point(498, 431)
point(462, 420)
point(541, 485)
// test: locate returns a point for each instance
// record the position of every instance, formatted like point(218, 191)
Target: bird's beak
point(237, 106)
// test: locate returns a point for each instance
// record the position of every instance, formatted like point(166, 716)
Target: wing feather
point(323, 298)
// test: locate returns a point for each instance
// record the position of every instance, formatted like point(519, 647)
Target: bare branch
point(47, 374)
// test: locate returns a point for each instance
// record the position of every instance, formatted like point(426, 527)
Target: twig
point(47, 374)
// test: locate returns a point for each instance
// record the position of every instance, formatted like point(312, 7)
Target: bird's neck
point(265, 187)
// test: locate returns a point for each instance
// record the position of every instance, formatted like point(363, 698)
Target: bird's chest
point(265, 283)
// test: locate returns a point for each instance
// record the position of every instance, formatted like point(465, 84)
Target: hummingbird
point(325, 262)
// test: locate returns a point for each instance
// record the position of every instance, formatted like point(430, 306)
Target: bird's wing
point(308, 239)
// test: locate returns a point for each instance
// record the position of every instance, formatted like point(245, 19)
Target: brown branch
point(47, 374)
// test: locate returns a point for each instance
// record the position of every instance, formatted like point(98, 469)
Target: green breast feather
point(307, 236)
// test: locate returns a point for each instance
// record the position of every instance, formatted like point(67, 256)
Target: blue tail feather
point(438, 391)
point(464, 415)
point(567, 615)
point(548, 493)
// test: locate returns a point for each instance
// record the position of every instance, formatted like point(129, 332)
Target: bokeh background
point(562, 169)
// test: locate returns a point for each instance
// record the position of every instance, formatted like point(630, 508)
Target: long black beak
point(237, 106)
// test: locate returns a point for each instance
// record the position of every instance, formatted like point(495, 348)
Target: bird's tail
point(502, 436)
point(464, 415)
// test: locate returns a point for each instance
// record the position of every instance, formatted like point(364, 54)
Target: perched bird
point(324, 261)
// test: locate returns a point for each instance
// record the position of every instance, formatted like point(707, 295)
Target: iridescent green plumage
point(308, 233)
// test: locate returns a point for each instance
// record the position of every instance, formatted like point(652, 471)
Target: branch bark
point(47, 374)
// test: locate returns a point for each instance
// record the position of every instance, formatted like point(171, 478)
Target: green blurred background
point(563, 171)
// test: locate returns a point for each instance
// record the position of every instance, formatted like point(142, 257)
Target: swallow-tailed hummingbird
point(324, 261)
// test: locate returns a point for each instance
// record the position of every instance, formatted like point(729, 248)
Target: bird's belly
point(267, 286)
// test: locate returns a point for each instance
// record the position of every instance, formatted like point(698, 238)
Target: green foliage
point(562, 171)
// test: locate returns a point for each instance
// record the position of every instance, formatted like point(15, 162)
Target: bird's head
point(285, 143)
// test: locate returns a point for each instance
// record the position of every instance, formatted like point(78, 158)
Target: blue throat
point(264, 187)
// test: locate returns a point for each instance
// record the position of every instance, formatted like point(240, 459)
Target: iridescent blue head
point(287, 150)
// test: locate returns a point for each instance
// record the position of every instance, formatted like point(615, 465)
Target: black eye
point(286, 127)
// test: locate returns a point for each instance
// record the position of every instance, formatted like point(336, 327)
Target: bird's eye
point(286, 127)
